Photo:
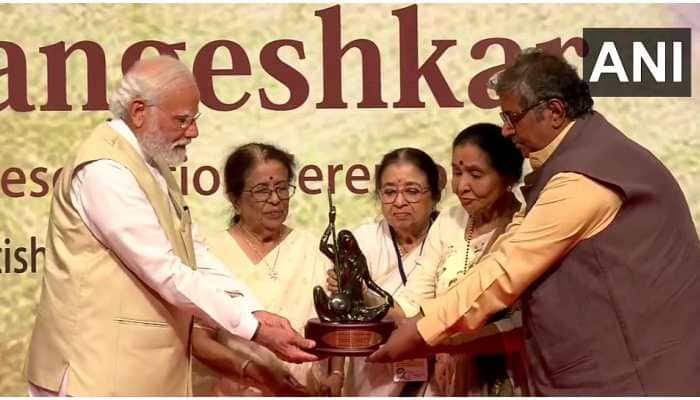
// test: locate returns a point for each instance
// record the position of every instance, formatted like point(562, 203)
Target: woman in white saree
point(280, 265)
point(408, 185)
point(485, 166)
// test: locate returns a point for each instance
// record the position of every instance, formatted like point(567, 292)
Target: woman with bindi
point(279, 263)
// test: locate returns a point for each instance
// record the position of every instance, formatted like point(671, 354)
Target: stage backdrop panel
point(271, 73)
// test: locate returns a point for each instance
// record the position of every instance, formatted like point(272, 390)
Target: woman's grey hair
point(537, 76)
point(147, 80)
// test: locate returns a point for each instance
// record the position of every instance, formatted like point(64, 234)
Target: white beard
point(154, 147)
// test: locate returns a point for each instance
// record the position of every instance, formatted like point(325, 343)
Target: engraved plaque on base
point(348, 338)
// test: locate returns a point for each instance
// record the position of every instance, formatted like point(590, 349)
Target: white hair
point(147, 80)
point(158, 148)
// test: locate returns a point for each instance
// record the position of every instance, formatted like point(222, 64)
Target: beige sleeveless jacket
point(96, 320)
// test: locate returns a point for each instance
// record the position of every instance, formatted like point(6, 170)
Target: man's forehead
point(181, 97)
point(177, 89)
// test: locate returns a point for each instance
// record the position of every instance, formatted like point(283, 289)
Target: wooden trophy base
point(352, 339)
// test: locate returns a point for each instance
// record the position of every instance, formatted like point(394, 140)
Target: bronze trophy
point(346, 325)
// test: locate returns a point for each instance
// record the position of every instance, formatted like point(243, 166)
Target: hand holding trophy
point(346, 324)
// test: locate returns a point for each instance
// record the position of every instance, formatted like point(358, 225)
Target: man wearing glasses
point(124, 272)
point(604, 256)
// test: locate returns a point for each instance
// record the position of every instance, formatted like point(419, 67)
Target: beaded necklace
point(470, 233)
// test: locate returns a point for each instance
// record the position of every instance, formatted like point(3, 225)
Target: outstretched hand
point(274, 381)
point(403, 344)
point(331, 385)
point(272, 320)
point(277, 334)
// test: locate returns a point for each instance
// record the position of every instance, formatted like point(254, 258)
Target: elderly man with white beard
point(125, 271)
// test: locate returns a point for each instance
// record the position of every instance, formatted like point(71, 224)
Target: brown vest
point(96, 321)
point(618, 314)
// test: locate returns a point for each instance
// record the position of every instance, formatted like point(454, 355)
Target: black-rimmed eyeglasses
point(389, 195)
point(263, 193)
point(512, 118)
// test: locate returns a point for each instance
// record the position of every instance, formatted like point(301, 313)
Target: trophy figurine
point(346, 325)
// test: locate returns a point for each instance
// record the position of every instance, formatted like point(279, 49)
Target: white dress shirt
point(103, 187)
point(115, 209)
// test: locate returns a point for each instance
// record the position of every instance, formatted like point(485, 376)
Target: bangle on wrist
point(337, 372)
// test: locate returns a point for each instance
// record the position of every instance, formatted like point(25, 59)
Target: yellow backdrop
point(39, 140)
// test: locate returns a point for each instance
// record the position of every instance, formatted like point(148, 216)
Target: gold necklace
point(271, 269)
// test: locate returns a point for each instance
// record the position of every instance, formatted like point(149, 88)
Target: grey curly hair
point(537, 76)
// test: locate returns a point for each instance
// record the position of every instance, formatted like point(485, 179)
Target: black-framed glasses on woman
point(512, 118)
point(411, 194)
point(263, 193)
